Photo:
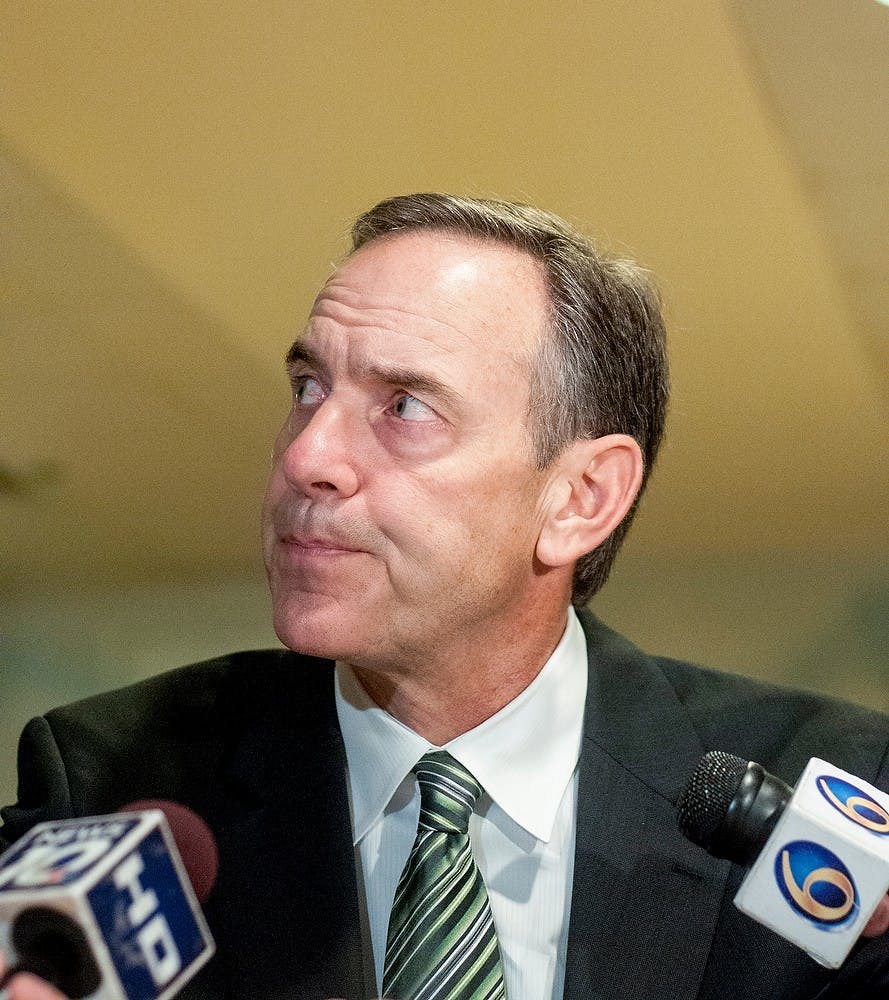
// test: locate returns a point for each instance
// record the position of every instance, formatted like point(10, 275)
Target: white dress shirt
point(522, 833)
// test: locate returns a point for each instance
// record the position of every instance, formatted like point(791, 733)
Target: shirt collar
point(523, 756)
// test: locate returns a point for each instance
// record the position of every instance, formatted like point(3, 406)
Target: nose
point(320, 459)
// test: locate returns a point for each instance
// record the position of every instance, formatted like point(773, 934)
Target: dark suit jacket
point(251, 742)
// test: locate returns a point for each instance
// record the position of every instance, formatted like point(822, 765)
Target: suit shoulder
point(784, 726)
point(779, 727)
point(171, 736)
point(200, 694)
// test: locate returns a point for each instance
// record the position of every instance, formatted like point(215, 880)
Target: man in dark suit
point(478, 399)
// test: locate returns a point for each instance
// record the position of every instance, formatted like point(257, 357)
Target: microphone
point(107, 907)
point(818, 854)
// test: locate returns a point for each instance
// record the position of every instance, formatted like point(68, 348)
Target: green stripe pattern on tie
point(441, 943)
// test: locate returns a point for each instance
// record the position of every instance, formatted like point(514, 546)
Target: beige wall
point(175, 180)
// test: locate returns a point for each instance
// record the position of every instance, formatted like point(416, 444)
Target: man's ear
point(594, 485)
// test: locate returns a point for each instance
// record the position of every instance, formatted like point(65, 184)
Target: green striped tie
point(442, 944)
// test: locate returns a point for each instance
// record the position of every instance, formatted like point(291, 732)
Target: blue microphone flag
point(118, 883)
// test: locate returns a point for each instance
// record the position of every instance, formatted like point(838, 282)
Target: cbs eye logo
point(854, 804)
point(816, 883)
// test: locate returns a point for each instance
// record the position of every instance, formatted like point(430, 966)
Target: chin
point(318, 627)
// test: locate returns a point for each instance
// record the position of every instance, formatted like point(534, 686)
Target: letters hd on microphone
point(120, 879)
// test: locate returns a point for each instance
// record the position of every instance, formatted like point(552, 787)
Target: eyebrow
point(409, 379)
point(300, 353)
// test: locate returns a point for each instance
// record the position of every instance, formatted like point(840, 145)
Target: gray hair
point(603, 367)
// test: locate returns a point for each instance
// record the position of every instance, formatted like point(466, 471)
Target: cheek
point(505, 514)
point(426, 531)
point(448, 531)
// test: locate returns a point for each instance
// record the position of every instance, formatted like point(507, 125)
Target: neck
point(444, 696)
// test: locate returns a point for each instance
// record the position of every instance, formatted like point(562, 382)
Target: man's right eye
point(307, 391)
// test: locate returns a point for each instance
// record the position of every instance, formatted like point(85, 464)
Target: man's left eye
point(408, 407)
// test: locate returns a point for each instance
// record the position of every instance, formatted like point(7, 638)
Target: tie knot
point(448, 792)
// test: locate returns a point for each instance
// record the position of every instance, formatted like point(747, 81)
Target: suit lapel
point(285, 911)
point(645, 901)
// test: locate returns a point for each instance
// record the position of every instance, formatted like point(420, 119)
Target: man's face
point(403, 505)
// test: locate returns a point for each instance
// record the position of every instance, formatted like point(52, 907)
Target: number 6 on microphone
point(815, 895)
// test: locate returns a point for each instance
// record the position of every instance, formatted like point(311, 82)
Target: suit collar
point(634, 715)
point(645, 901)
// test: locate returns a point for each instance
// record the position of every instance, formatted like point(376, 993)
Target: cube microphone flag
point(104, 907)
point(818, 854)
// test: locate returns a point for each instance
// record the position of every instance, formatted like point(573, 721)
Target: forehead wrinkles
point(372, 310)
point(340, 302)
